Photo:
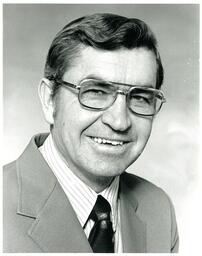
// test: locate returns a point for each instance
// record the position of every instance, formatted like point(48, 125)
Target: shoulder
point(154, 207)
point(10, 182)
point(9, 166)
point(145, 192)
point(153, 203)
point(139, 183)
point(9, 172)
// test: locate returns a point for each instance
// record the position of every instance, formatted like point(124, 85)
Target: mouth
point(109, 142)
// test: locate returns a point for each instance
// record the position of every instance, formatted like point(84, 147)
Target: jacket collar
point(42, 198)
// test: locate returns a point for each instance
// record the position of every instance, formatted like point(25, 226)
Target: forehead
point(136, 66)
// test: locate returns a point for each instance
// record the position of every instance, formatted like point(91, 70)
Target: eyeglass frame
point(118, 91)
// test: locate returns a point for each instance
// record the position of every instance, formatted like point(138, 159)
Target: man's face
point(77, 131)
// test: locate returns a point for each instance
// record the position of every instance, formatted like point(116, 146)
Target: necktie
point(101, 235)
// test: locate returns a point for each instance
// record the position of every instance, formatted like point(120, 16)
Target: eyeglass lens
point(100, 95)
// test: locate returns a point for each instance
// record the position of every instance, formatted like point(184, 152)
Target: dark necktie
point(101, 235)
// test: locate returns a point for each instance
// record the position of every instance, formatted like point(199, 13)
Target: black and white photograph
point(101, 128)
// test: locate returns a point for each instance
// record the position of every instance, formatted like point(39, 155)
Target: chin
point(108, 171)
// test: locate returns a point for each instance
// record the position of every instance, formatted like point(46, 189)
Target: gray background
point(171, 156)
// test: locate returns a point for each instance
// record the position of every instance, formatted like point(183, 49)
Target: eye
point(96, 91)
point(140, 98)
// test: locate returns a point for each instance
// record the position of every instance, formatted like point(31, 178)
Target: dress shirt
point(80, 195)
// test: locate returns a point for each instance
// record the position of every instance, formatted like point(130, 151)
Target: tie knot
point(101, 209)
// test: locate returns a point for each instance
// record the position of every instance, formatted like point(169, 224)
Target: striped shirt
point(80, 195)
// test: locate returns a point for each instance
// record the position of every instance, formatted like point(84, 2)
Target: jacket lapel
point(132, 227)
point(55, 227)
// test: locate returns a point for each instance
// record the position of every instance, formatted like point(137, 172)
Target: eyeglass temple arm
point(64, 83)
point(162, 97)
point(67, 84)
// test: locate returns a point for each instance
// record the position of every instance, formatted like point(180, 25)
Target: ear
point(44, 91)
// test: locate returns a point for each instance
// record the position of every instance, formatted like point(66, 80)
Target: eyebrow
point(96, 77)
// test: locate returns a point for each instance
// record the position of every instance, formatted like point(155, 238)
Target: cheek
point(73, 120)
point(143, 126)
point(71, 113)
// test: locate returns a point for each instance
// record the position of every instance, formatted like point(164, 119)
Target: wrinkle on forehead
point(136, 66)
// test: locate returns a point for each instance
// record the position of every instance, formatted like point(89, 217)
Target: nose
point(117, 116)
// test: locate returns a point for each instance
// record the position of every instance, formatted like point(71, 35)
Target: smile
point(106, 141)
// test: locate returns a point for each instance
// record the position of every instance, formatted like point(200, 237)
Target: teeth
point(104, 141)
point(99, 140)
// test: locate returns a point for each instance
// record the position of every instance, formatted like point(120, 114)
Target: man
point(68, 191)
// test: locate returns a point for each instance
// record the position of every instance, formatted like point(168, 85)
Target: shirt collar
point(80, 195)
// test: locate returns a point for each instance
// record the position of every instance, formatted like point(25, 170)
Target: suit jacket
point(38, 216)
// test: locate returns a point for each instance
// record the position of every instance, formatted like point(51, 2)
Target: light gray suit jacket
point(38, 217)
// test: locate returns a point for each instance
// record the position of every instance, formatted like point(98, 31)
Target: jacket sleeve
point(174, 231)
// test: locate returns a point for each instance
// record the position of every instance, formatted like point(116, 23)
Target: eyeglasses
point(99, 95)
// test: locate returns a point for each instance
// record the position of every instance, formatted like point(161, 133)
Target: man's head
point(99, 144)
point(101, 31)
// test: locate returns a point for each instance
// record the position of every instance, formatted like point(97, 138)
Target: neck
point(98, 184)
